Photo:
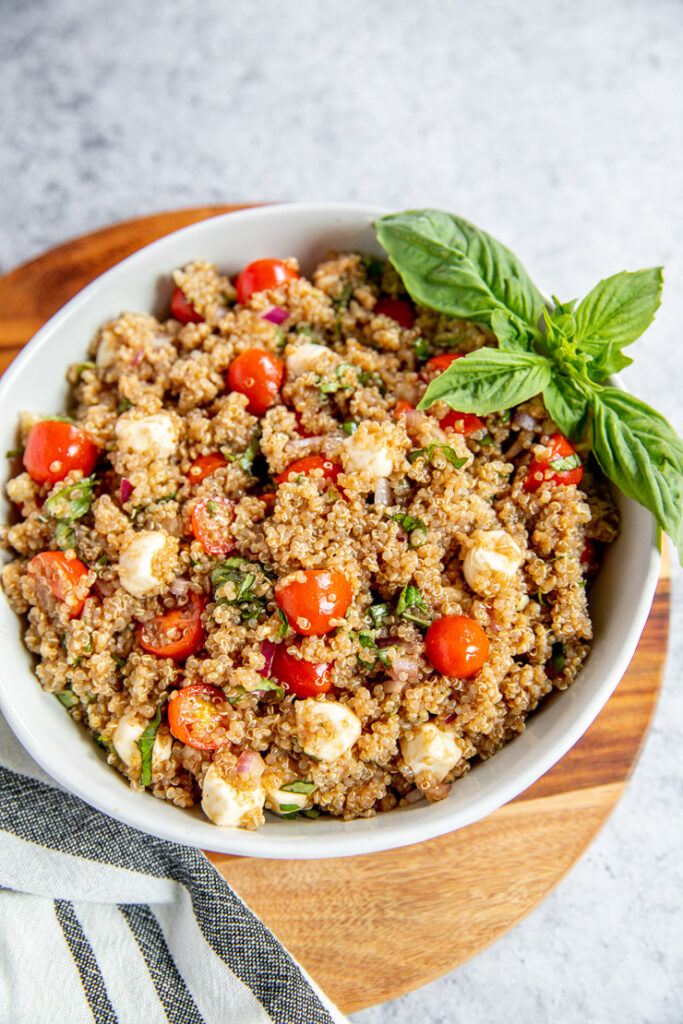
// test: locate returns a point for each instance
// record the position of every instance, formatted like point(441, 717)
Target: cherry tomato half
point(465, 423)
point(262, 275)
point(398, 309)
point(211, 521)
point(183, 310)
point(312, 599)
point(437, 364)
point(305, 466)
point(563, 466)
point(177, 633)
point(302, 678)
point(258, 375)
point(54, 448)
point(199, 715)
point(456, 646)
point(205, 465)
point(62, 577)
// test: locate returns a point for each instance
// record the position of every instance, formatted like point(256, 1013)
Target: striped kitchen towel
point(101, 922)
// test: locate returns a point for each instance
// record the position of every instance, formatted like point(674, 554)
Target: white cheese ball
point(307, 357)
point(146, 562)
point(326, 729)
point(125, 742)
point(228, 806)
point(371, 453)
point(428, 750)
point(154, 437)
point(493, 558)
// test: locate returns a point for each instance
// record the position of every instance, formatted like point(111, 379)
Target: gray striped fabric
point(100, 922)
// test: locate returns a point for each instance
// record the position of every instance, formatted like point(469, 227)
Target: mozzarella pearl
point(305, 358)
point(144, 562)
point(494, 557)
point(155, 437)
point(326, 729)
point(125, 742)
point(228, 806)
point(431, 751)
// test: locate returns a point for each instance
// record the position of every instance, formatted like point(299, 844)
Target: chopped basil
point(88, 365)
point(267, 686)
point(486, 441)
point(290, 809)
point(124, 405)
point(374, 267)
point(558, 656)
point(311, 812)
point(68, 698)
point(281, 339)
point(211, 509)
point(410, 604)
point(378, 613)
point(303, 328)
point(65, 535)
point(414, 527)
point(120, 662)
point(167, 497)
point(284, 625)
point(101, 562)
point(343, 299)
point(244, 575)
point(246, 460)
point(428, 454)
point(101, 741)
point(146, 746)
point(566, 463)
point(350, 427)
point(299, 786)
point(14, 453)
point(421, 349)
point(72, 502)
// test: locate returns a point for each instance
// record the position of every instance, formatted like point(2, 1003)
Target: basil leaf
point(146, 745)
point(510, 337)
point(299, 786)
point(290, 810)
point(65, 535)
point(246, 460)
point(74, 502)
point(284, 625)
point(567, 405)
point(565, 464)
point(618, 309)
point(638, 450)
point(410, 603)
point(558, 657)
point(428, 454)
point(451, 266)
point(488, 380)
point(378, 613)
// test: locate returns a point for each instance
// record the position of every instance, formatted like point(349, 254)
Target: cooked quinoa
point(422, 520)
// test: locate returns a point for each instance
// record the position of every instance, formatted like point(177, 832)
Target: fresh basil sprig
point(562, 350)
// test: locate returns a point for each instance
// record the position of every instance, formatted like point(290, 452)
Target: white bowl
point(620, 599)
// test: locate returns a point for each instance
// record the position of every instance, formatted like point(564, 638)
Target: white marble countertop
point(555, 125)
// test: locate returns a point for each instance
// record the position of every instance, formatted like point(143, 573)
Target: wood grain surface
point(371, 928)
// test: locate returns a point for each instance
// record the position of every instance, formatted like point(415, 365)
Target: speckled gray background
point(555, 125)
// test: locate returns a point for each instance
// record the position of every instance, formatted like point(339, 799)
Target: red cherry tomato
point(437, 364)
point(312, 599)
point(62, 577)
point(563, 466)
point(258, 375)
point(262, 275)
point(302, 678)
point(305, 466)
point(205, 465)
point(199, 715)
point(176, 634)
point(398, 309)
point(589, 555)
point(465, 423)
point(270, 497)
point(300, 428)
point(456, 646)
point(54, 448)
point(402, 407)
point(212, 519)
point(183, 310)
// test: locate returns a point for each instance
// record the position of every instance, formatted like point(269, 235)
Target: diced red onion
point(276, 315)
point(126, 490)
point(250, 765)
point(383, 492)
point(137, 357)
point(268, 652)
point(449, 718)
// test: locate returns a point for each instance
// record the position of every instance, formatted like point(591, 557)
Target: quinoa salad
point(264, 581)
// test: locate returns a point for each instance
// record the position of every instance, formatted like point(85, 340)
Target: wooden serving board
point(371, 928)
